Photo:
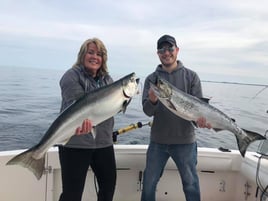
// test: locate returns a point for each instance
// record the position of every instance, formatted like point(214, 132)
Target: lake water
point(30, 102)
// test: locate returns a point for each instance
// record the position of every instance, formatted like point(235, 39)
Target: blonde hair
point(103, 70)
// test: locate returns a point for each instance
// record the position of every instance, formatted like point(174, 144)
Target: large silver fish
point(97, 106)
point(191, 108)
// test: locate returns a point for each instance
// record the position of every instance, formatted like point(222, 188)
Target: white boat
point(224, 176)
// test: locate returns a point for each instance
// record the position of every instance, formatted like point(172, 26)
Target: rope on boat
point(129, 128)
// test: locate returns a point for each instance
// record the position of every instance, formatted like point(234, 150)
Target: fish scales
point(97, 106)
point(192, 108)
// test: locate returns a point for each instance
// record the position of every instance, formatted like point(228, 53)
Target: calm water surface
point(30, 102)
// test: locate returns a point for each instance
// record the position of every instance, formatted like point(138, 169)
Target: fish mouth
point(159, 82)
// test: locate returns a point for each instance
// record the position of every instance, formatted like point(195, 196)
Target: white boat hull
point(224, 176)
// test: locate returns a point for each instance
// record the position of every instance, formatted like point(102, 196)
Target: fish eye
point(132, 79)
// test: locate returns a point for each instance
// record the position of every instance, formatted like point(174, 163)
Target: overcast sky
point(224, 40)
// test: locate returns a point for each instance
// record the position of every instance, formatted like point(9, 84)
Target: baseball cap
point(166, 39)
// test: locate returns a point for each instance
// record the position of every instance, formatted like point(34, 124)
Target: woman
point(82, 150)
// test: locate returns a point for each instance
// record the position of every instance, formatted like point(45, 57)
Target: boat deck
point(224, 176)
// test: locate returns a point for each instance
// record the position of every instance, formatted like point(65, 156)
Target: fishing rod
point(129, 128)
point(265, 86)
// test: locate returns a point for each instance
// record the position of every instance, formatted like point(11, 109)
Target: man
point(171, 136)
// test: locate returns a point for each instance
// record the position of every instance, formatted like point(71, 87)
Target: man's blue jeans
point(185, 158)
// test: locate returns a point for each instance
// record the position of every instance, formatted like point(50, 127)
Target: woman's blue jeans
point(185, 158)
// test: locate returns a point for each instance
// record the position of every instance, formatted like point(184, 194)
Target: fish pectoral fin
point(196, 127)
point(217, 129)
point(125, 104)
point(94, 132)
point(62, 143)
point(194, 124)
point(171, 105)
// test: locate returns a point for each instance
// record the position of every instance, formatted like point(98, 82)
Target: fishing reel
point(128, 128)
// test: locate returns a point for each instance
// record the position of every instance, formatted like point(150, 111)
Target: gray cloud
point(213, 35)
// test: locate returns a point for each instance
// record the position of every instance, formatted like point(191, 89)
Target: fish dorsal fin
point(206, 100)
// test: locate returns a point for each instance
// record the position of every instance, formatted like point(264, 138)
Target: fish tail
point(244, 142)
point(26, 159)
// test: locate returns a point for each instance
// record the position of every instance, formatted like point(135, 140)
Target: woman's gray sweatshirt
point(75, 83)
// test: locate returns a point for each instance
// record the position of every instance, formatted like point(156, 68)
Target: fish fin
point(243, 143)
point(25, 159)
point(217, 129)
point(194, 124)
point(206, 100)
point(63, 142)
point(125, 104)
point(214, 129)
point(93, 132)
point(171, 105)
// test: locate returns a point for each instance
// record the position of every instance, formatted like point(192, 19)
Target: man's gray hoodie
point(168, 128)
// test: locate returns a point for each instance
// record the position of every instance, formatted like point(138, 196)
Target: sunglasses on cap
point(164, 49)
